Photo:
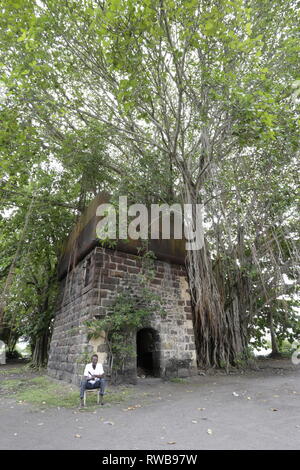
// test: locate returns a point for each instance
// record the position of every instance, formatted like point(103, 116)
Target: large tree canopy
point(188, 101)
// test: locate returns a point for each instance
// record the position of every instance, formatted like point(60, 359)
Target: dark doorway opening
point(147, 348)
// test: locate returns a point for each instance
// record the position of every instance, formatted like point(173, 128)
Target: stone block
point(183, 372)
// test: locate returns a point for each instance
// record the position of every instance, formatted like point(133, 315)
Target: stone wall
point(89, 291)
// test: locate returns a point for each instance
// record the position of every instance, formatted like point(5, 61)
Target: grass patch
point(44, 392)
point(14, 370)
point(178, 380)
point(9, 386)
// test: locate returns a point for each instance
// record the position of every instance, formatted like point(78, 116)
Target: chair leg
point(84, 398)
point(98, 397)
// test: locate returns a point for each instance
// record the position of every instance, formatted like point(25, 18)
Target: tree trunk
point(9, 336)
point(212, 334)
point(218, 337)
point(275, 349)
point(40, 353)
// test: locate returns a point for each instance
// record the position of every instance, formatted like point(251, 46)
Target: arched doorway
point(148, 352)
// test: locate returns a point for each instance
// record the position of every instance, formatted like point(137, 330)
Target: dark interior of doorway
point(147, 352)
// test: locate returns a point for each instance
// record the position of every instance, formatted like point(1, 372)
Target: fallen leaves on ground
point(209, 431)
point(131, 408)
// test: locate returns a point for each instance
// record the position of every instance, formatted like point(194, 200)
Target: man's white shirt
point(89, 370)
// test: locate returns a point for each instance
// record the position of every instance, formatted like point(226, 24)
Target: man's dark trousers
point(86, 385)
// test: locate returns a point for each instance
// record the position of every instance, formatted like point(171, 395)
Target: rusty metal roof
point(83, 239)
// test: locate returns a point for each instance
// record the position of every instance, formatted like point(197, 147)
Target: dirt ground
point(257, 409)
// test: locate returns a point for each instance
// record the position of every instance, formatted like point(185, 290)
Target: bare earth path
point(256, 410)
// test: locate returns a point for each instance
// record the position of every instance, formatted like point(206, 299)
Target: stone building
point(92, 276)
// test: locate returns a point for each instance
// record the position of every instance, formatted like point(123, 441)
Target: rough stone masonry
point(91, 277)
point(89, 290)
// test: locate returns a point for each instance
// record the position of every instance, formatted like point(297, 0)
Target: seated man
point(93, 378)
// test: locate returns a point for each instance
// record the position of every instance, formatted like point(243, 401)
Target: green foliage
point(246, 358)
point(286, 323)
point(286, 348)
